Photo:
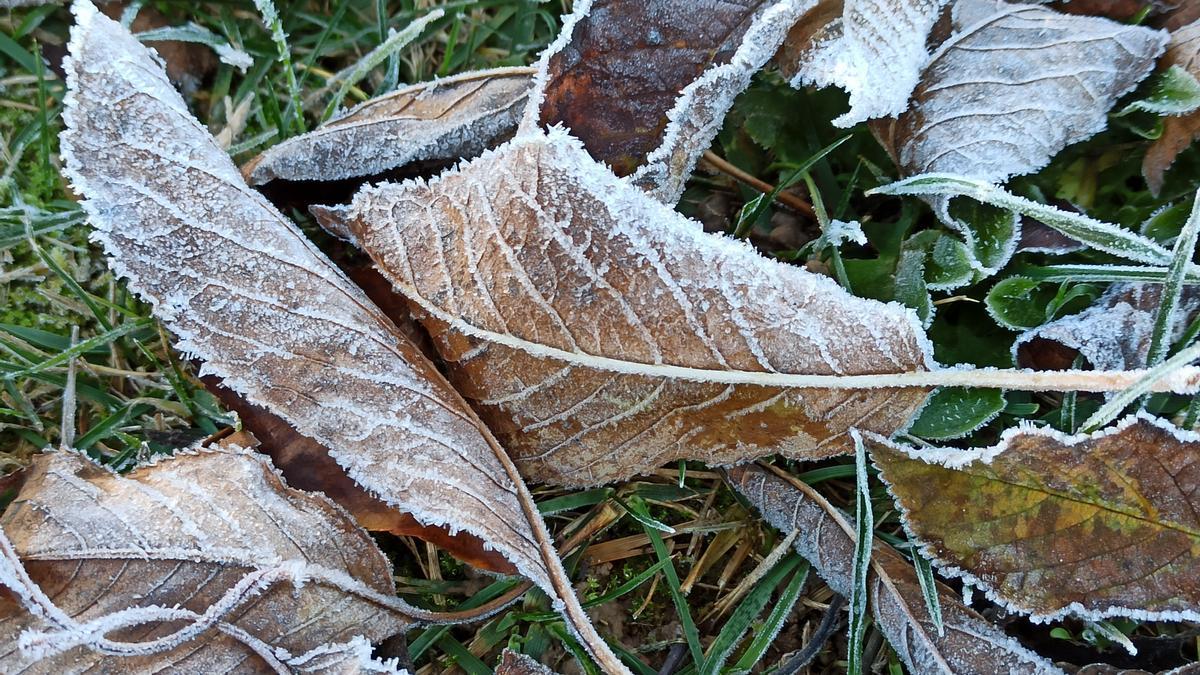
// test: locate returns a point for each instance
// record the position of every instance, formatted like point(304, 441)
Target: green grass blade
point(744, 614)
point(631, 660)
point(109, 425)
point(864, 536)
point(393, 44)
point(463, 657)
point(623, 589)
point(568, 641)
point(1172, 289)
point(756, 207)
point(690, 633)
point(1117, 403)
point(764, 636)
point(574, 501)
point(82, 348)
point(431, 635)
point(271, 20)
point(929, 590)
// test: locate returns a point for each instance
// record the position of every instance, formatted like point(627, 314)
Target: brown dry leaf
point(601, 334)
point(826, 538)
point(874, 49)
point(442, 120)
point(246, 293)
point(1179, 131)
point(307, 465)
point(512, 663)
point(1112, 334)
point(646, 89)
point(1013, 86)
point(1051, 525)
point(1178, 13)
point(205, 562)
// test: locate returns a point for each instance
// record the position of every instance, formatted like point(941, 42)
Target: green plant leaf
point(954, 412)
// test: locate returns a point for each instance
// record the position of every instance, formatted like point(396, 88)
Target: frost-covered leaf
point(205, 562)
point(266, 312)
point(646, 87)
point(1090, 525)
point(512, 663)
point(825, 536)
point(441, 121)
point(1113, 334)
point(1016, 84)
point(875, 50)
point(602, 334)
point(1178, 131)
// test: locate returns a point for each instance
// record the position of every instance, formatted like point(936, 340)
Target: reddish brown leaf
point(245, 291)
point(626, 63)
point(1179, 14)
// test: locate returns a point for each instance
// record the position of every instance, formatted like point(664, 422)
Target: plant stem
point(789, 200)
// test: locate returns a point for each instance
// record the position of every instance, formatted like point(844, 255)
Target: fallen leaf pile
point(584, 332)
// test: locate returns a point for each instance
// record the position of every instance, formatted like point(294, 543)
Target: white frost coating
point(959, 459)
point(440, 120)
point(700, 109)
point(1014, 86)
point(1114, 333)
point(838, 232)
point(877, 54)
point(353, 657)
point(247, 293)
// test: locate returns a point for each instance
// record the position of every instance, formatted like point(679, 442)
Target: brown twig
point(787, 199)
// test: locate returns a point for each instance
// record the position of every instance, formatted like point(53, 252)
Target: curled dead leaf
point(441, 120)
point(245, 292)
point(601, 334)
point(969, 644)
point(874, 49)
point(204, 562)
point(1052, 525)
